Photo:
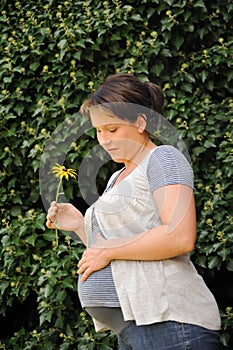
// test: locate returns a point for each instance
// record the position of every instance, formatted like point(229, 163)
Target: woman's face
point(120, 138)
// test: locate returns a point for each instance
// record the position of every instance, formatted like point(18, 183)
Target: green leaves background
point(52, 55)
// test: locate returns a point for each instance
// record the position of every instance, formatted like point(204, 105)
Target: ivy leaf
point(31, 239)
point(213, 261)
point(208, 144)
point(178, 41)
point(199, 3)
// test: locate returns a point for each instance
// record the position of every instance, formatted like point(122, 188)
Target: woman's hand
point(93, 259)
point(65, 216)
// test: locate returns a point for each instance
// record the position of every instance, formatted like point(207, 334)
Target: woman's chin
point(117, 159)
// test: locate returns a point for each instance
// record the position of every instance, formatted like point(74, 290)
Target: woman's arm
point(174, 237)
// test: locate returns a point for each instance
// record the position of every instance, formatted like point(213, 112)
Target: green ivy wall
point(53, 54)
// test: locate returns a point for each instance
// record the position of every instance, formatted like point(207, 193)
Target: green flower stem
point(56, 199)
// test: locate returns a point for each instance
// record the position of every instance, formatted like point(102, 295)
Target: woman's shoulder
point(167, 149)
point(168, 153)
point(168, 165)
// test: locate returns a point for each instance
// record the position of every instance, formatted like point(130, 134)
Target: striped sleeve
point(168, 166)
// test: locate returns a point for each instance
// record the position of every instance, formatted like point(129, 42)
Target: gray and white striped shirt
point(166, 166)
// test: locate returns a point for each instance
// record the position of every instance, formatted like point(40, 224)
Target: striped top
point(166, 166)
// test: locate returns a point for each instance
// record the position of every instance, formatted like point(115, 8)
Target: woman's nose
point(104, 141)
point(103, 138)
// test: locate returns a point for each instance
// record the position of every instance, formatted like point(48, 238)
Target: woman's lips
point(111, 149)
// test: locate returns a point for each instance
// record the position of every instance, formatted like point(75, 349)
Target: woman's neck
point(140, 155)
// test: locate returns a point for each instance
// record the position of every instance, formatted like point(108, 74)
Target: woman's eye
point(98, 131)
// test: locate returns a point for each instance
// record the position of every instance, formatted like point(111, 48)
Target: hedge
point(53, 54)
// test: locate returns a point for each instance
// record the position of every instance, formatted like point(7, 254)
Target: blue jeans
point(168, 335)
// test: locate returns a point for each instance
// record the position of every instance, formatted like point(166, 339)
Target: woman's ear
point(141, 123)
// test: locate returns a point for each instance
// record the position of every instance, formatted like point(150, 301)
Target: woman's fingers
point(51, 216)
point(86, 274)
point(50, 222)
point(82, 262)
point(93, 259)
point(84, 270)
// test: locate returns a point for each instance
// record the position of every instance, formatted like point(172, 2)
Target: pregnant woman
point(136, 277)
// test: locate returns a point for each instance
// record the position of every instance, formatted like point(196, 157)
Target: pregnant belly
point(98, 289)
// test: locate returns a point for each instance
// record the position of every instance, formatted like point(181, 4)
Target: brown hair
point(127, 89)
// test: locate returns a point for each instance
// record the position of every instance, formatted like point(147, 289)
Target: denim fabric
point(168, 335)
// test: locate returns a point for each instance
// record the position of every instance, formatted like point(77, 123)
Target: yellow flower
point(60, 171)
